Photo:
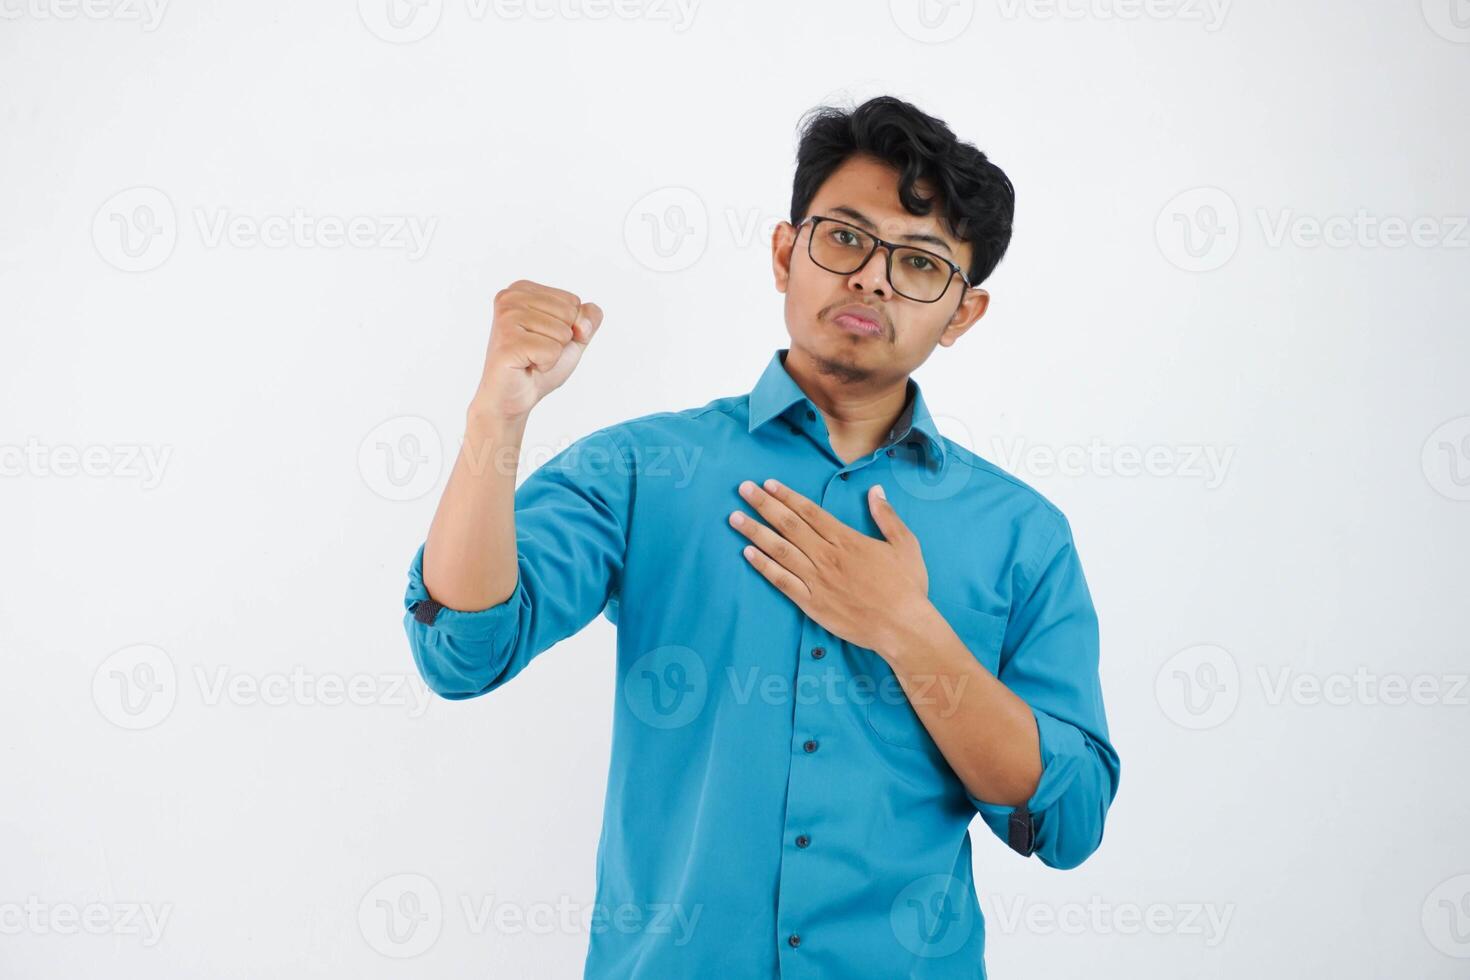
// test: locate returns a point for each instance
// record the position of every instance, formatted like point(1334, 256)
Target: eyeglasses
point(914, 273)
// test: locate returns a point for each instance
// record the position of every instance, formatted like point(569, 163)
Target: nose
point(873, 276)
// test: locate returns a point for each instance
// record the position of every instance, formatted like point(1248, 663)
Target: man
point(840, 634)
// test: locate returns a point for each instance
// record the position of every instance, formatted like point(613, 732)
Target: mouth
point(858, 319)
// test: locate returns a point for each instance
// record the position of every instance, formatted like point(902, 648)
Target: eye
point(923, 263)
point(843, 236)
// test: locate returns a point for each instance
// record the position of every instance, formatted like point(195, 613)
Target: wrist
point(492, 441)
point(484, 417)
point(911, 625)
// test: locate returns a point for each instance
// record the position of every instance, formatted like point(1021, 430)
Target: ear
point(971, 309)
point(783, 240)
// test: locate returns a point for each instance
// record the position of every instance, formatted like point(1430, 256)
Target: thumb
point(589, 318)
point(892, 526)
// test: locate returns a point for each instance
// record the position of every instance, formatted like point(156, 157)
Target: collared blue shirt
point(775, 807)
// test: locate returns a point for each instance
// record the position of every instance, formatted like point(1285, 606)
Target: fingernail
point(879, 488)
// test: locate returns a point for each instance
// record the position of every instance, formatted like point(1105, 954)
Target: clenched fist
point(537, 338)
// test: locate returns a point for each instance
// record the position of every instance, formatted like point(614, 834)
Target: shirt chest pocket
point(891, 713)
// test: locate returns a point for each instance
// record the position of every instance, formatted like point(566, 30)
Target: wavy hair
point(976, 196)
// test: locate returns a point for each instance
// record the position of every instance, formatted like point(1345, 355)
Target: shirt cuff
point(480, 624)
point(1062, 746)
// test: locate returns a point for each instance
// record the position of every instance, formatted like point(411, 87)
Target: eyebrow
point(859, 218)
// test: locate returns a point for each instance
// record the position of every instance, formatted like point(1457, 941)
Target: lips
point(858, 318)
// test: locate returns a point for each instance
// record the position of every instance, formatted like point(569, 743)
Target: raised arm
point(505, 573)
point(537, 338)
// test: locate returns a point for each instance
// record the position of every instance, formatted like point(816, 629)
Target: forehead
point(870, 186)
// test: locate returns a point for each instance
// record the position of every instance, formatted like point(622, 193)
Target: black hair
point(977, 198)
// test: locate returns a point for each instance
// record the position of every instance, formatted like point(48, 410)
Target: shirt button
point(890, 452)
point(810, 745)
point(818, 653)
point(803, 840)
point(794, 940)
point(810, 415)
point(844, 475)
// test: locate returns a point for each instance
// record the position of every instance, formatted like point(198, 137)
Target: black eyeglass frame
point(954, 270)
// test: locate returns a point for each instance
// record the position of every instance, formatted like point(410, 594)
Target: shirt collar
point(776, 391)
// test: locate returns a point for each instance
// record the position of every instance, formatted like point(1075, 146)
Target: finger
point(809, 511)
point(783, 519)
point(529, 285)
point(887, 519)
point(786, 554)
point(545, 324)
point(533, 296)
point(589, 318)
point(789, 585)
point(539, 352)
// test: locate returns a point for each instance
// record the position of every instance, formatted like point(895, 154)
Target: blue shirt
point(775, 807)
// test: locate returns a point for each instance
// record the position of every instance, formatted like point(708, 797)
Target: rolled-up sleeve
point(1049, 659)
point(571, 518)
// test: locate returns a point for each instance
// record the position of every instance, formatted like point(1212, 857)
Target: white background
point(300, 402)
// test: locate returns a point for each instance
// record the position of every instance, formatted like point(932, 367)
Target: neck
point(859, 412)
